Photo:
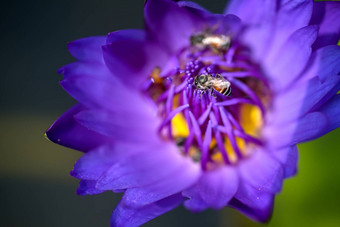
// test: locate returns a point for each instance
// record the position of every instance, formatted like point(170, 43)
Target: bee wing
point(220, 84)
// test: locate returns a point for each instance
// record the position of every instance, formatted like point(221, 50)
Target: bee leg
point(212, 93)
point(218, 76)
point(222, 54)
point(202, 92)
point(214, 50)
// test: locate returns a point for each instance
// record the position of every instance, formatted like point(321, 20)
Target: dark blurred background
point(36, 189)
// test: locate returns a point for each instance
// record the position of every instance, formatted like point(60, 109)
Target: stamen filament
point(205, 147)
point(180, 87)
point(241, 74)
point(249, 92)
point(196, 130)
point(234, 102)
point(230, 133)
point(205, 115)
point(172, 114)
point(230, 54)
point(169, 101)
point(189, 141)
point(218, 138)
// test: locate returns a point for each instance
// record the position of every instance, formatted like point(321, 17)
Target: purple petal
point(121, 126)
point(88, 187)
point(253, 202)
point(192, 5)
point(302, 99)
point(93, 164)
point(205, 19)
point(142, 169)
point(307, 128)
point(289, 159)
point(214, 189)
point(185, 175)
point(228, 24)
point(285, 65)
point(258, 38)
point(86, 69)
point(332, 111)
point(124, 215)
point(326, 14)
point(319, 83)
point(195, 202)
point(259, 18)
point(292, 16)
point(69, 133)
point(88, 49)
point(104, 94)
point(128, 34)
point(171, 23)
point(324, 63)
point(251, 11)
point(132, 59)
point(262, 172)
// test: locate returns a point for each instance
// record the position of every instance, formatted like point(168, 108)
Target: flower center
point(212, 99)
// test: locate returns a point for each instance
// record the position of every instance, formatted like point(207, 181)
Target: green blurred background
point(36, 189)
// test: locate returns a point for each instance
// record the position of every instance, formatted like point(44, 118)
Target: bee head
point(196, 39)
point(201, 79)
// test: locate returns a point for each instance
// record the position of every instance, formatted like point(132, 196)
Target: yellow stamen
point(179, 126)
point(212, 143)
point(155, 75)
point(251, 119)
point(175, 101)
point(217, 157)
point(230, 151)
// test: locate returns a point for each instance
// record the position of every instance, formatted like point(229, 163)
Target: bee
point(217, 43)
point(205, 82)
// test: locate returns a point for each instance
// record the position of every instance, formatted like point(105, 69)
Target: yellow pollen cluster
point(250, 120)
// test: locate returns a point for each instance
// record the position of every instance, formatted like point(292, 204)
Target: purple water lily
point(199, 108)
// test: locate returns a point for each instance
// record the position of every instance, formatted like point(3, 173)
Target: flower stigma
point(212, 99)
